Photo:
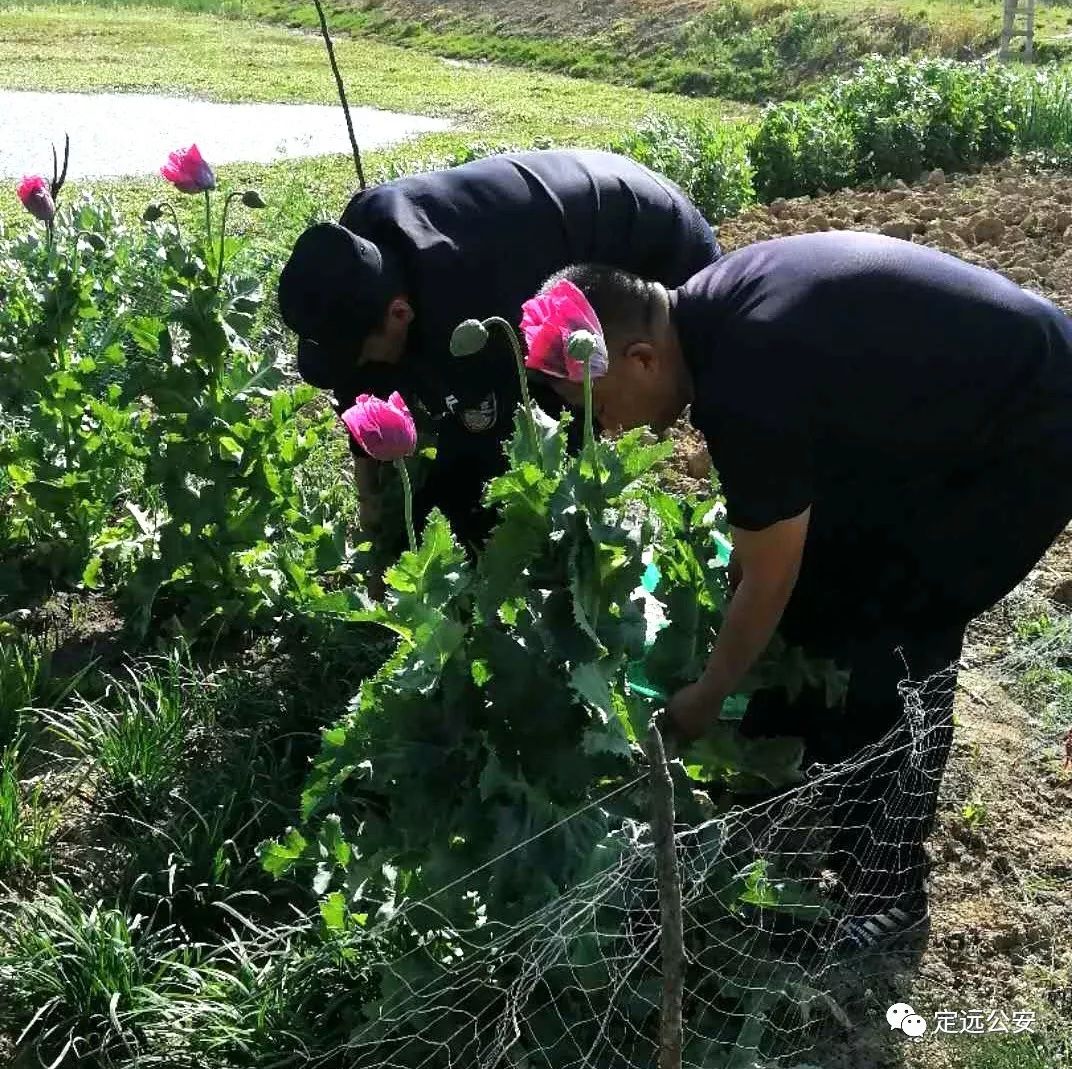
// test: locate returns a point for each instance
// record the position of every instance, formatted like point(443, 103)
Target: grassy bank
point(85, 47)
point(101, 47)
point(751, 50)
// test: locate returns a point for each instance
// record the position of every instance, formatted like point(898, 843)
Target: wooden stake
point(1007, 28)
point(672, 931)
point(342, 93)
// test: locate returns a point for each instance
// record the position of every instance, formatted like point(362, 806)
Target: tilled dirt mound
point(1005, 218)
point(652, 21)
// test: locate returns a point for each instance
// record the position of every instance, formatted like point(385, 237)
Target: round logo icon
point(483, 417)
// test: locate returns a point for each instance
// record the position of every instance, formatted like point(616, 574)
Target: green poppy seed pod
point(468, 338)
point(588, 349)
point(581, 345)
point(152, 213)
point(252, 199)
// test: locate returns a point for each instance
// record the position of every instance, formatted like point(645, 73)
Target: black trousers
point(894, 611)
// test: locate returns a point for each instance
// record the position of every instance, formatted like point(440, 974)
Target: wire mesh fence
point(785, 908)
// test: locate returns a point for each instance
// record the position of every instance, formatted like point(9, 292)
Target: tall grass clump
point(27, 822)
point(136, 738)
point(288, 996)
point(196, 864)
point(85, 986)
point(27, 680)
point(1043, 113)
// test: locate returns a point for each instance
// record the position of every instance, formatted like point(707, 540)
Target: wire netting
point(788, 905)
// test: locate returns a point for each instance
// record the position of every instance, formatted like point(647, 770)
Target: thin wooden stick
point(672, 930)
point(1008, 24)
point(342, 93)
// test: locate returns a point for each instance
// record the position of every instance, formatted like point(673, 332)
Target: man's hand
point(693, 709)
point(374, 584)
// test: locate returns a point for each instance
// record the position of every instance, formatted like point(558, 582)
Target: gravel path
point(118, 134)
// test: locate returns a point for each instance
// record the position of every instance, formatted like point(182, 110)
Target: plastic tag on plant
point(639, 683)
point(723, 549)
point(651, 579)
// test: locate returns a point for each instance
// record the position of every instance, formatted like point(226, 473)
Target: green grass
point(1047, 1046)
point(745, 49)
point(1040, 667)
point(94, 47)
point(26, 680)
point(86, 983)
point(27, 822)
point(137, 737)
point(98, 47)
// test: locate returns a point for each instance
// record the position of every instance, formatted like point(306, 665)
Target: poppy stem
point(223, 238)
point(407, 496)
point(174, 216)
point(526, 400)
point(589, 431)
point(208, 219)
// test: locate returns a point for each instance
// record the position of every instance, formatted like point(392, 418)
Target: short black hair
point(625, 303)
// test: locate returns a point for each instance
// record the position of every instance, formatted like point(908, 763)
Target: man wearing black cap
point(375, 300)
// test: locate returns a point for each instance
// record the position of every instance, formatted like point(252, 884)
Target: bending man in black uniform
point(375, 300)
point(892, 428)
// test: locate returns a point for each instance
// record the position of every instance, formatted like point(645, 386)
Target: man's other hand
point(377, 589)
point(693, 710)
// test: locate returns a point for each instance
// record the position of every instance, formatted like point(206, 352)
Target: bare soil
point(1005, 218)
point(651, 20)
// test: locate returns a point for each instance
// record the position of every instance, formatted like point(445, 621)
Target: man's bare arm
point(769, 564)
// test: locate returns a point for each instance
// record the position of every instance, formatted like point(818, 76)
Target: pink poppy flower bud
point(383, 429)
point(36, 196)
point(187, 171)
point(550, 321)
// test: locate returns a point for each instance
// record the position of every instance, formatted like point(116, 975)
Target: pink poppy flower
point(187, 171)
point(548, 322)
point(384, 429)
point(36, 196)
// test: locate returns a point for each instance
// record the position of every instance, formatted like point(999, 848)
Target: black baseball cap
point(333, 291)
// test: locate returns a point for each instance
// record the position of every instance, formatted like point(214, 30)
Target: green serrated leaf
point(333, 912)
point(588, 681)
point(280, 857)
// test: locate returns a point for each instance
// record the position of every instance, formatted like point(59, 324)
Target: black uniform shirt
point(863, 375)
point(480, 239)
